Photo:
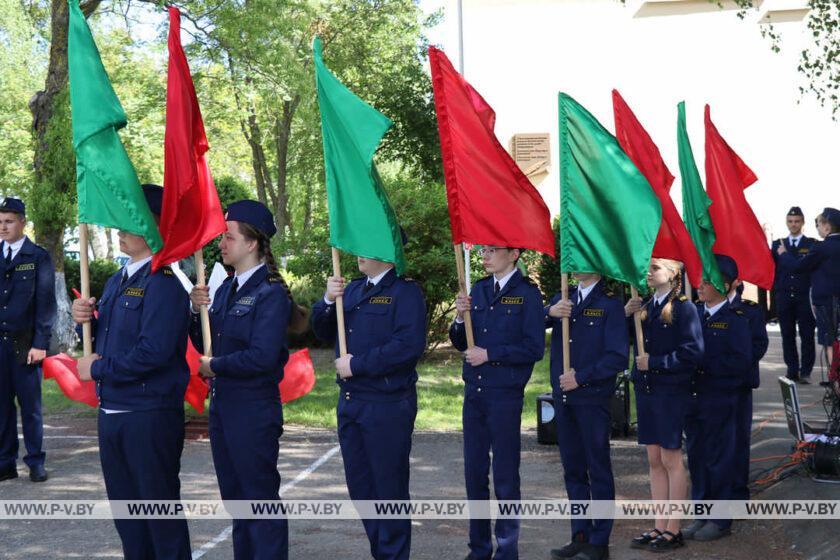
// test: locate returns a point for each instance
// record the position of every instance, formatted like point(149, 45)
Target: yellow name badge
point(718, 325)
point(803, 251)
point(593, 312)
point(513, 300)
point(27, 266)
point(380, 300)
point(136, 292)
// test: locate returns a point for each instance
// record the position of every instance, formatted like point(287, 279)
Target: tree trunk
point(109, 244)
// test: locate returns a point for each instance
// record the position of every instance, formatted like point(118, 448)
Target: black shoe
point(593, 552)
point(38, 474)
point(643, 540)
point(693, 527)
point(9, 473)
point(576, 545)
point(804, 381)
point(663, 543)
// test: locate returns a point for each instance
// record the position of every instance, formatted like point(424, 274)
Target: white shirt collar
point(15, 246)
point(504, 280)
point(583, 293)
point(131, 268)
point(660, 300)
point(244, 276)
point(375, 280)
point(796, 238)
point(716, 308)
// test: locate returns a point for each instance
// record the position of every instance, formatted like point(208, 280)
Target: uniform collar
point(505, 279)
point(796, 238)
point(584, 292)
point(660, 300)
point(242, 278)
point(378, 278)
point(132, 268)
point(715, 309)
point(15, 246)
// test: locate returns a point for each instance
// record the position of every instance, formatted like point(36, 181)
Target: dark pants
point(743, 434)
point(710, 437)
point(244, 438)
point(492, 423)
point(24, 383)
point(583, 435)
point(141, 458)
point(375, 439)
point(793, 312)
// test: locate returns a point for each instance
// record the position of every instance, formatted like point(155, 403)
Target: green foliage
point(548, 269)
point(230, 190)
point(100, 271)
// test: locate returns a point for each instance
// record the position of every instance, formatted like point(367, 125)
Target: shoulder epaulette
point(609, 293)
point(407, 279)
point(738, 312)
point(682, 298)
point(167, 271)
point(748, 302)
point(530, 280)
point(274, 279)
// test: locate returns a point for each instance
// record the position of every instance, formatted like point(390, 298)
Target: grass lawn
point(439, 389)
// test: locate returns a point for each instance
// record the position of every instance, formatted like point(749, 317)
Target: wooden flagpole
point(637, 321)
point(462, 287)
point(564, 294)
point(201, 278)
point(339, 305)
point(84, 266)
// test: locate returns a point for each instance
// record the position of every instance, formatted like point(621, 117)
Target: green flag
point(108, 189)
point(362, 221)
point(609, 214)
point(696, 205)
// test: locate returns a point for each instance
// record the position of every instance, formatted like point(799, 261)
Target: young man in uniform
point(791, 293)
point(385, 324)
point(27, 312)
point(599, 349)
point(141, 375)
point(507, 319)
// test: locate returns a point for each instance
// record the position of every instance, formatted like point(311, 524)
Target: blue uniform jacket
point(675, 349)
point(386, 334)
point(510, 327)
point(758, 335)
point(27, 298)
point(141, 334)
point(728, 351)
point(598, 343)
point(823, 262)
point(249, 338)
point(789, 282)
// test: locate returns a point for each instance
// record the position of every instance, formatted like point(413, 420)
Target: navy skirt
point(661, 416)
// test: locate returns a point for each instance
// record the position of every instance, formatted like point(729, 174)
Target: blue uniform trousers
point(244, 438)
point(375, 439)
point(710, 431)
point(492, 423)
point(583, 435)
point(23, 382)
point(793, 311)
point(743, 435)
point(141, 458)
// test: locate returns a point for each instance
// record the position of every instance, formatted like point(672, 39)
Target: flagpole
point(462, 288)
point(564, 294)
point(201, 278)
point(466, 255)
point(637, 320)
point(339, 305)
point(84, 269)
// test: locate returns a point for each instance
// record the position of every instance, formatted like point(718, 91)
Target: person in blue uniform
point(508, 326)
point(662, 376)
point(248, 322)
point(744, 406)
point(823, 262)
point(791, 293)
point(141, 374)
point(599, 350)
point(27, 312)
point(385, 325)
point(710, 427)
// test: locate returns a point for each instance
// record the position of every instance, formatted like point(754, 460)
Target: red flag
point(191, 215)
point(673, 240)
point(737, 231)
point(298, 376)
point(491, 201)
point(62, 368)
point(197, 388)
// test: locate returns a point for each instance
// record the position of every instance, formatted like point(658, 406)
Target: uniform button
point(491, 308)
point(349, 330)
point(347, 397)
point(573, 320)
point(479, 377)
point(485, 330)
point(570, 340)
point(479, 389)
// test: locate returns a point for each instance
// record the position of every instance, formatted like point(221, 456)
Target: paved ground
point(436, 472)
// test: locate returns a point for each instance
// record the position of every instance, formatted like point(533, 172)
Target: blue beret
point(10, 204)
point(154, 197)
point(795, 211)
point(832, 216)
point(252, 213)
point(727, 266)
